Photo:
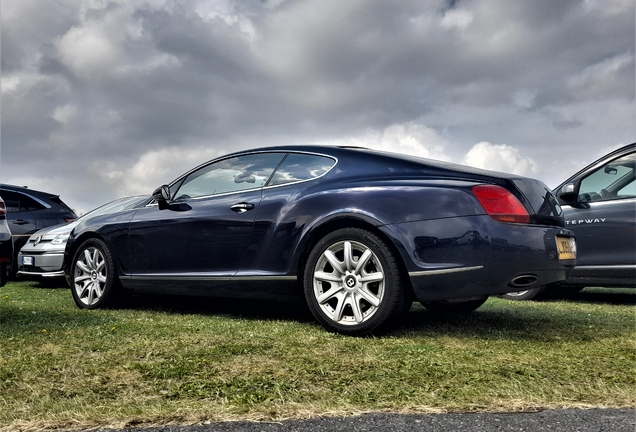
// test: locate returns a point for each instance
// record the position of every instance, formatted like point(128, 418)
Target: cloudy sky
point(107, 98)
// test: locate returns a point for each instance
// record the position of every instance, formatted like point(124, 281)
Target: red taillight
point(500, 204)
point(69, 220)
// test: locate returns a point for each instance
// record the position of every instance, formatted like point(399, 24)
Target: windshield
point(116, 206)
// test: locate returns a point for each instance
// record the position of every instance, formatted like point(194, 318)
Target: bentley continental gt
point(360, 234)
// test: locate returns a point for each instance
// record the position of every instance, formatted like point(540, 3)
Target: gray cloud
point(103, 98)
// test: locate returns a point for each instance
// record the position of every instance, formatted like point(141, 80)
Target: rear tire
point(94, 281)
point(353, 284)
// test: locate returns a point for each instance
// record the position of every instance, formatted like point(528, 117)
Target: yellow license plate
point(566, 247)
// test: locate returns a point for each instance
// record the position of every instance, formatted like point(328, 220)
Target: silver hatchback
point(43, 254)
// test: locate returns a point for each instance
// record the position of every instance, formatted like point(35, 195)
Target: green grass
point(165, 360)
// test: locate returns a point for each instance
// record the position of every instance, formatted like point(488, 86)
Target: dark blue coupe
point(359, 233)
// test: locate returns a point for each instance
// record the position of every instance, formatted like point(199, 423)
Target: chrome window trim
point(262, 188)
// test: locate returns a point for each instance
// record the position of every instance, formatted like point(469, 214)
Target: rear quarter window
point(298, 167)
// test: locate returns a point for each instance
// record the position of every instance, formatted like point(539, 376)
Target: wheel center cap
point(350, 282)
point(93, 275)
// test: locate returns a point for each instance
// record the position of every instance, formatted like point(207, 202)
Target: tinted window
point(297, 167)
point(230, 175)
point(611, 181)
point(17, 202)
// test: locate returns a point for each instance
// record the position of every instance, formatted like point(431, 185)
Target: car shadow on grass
point(497, 319)
point(550, 319)
point(240, 308)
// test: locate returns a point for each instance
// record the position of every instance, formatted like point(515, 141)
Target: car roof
point(27, 190)
point(357, 154)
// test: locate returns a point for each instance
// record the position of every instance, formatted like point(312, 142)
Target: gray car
point(599, 206)
point(43, 254)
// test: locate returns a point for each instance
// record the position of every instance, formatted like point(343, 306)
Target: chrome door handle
point(241, 207)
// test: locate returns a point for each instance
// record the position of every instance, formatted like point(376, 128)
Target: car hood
point(56, 229)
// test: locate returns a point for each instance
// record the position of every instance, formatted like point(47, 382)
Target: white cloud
point(457, 18)
point(599, 74)
point(152, 169)
point(500, 157)
point(87, 50)
point(524, 98)
point(9, 83)
point(65, 114)
point(408, 138)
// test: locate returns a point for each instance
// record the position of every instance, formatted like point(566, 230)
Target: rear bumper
point(478, 256)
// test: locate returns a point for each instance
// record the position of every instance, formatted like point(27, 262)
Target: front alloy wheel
point(93, 277)
point(349, 283)
point(352, 283)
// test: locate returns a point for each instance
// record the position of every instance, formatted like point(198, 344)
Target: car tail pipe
point(523, 281)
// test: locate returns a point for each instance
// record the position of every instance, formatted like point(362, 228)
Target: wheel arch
point(71, 250)
point(313, 236)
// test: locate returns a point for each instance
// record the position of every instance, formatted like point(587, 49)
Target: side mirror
point(162, 195)
point(568, 193)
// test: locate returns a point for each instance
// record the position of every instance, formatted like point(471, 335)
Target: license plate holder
point(28, 260)
point(566, 247)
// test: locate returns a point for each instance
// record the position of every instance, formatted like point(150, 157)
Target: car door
point(279, 223)
point(604, 214)
point(200, 238)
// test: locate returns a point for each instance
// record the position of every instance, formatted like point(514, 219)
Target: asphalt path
point(568, 420)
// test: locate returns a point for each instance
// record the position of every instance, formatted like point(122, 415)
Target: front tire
point(353, 283)
point(94, 282)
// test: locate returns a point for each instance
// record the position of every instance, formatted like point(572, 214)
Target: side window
point(17, 202)
point(297, 167)
point(12, 201)
point(612, 181)
point(229, 175)
point(29, 204)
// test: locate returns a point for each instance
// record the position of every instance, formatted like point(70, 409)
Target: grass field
point(166, 360)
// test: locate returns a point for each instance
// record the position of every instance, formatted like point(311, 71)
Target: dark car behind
point(29, 210)
point(6, 245)
point(599, 206)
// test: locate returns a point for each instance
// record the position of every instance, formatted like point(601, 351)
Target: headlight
point(60, 239)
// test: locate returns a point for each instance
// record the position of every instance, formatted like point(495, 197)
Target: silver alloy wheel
point(517, 293)
point(348, 283)
point(90, 276)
